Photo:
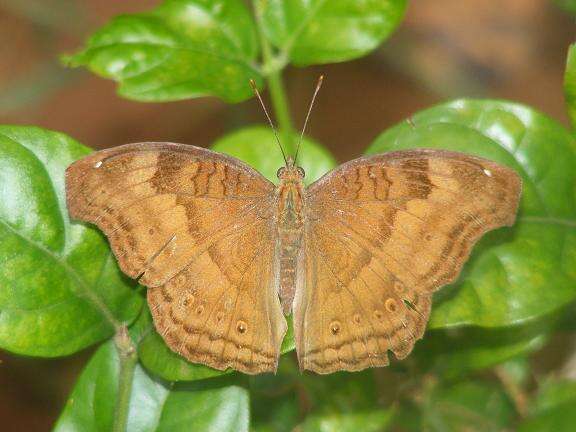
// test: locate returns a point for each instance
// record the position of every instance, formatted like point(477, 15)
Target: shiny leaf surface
point(321, 31)
point(219, 404)
point(61, 289)
point(181, 49)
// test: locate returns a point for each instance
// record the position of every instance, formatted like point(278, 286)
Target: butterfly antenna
point(318, 85)
point(257, 93)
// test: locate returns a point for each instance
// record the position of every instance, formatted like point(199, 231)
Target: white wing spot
point(487, 172)
point(98, 164)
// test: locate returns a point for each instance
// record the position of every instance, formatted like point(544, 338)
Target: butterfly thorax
point(290, 217)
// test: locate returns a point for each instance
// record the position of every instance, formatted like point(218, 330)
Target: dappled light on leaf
point(61, 288)
point(181, 49)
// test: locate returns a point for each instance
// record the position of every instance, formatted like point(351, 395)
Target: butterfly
point(226, 254)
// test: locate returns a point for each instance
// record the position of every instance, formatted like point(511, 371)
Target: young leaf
point(218, 404)
point(181, 49)
point(322, 31)
point(570, 82)
point(61, 288)
point(519, 273)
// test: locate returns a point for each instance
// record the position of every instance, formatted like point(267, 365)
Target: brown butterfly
point(225, 253)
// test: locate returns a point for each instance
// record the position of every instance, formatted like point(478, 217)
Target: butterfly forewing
point(383, 233)
point(197, 228)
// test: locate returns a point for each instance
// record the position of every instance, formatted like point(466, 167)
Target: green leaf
point(181, 49)
point(455, 352)
point(257, 146)
point(554, 408)
point(322, 31)
point(552, 393)
point(467, 405)
point(61, 288)
point(527, 271)
point(218, 404)
point(343, 402)
point(274, 398)
point(278, 414)
point(570, 81)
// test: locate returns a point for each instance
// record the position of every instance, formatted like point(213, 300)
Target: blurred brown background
point(513, 49)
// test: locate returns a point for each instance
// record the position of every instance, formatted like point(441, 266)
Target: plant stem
point(514, 391)
point(273, 71)
point(280, 104)
point(128, 359)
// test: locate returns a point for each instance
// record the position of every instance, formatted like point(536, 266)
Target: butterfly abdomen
point(290, 233)
point(290, 242)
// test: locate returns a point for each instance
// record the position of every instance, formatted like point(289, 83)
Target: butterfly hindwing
point(384, 232)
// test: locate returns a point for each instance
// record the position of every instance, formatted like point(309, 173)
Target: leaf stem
point(128, 359)
point(272, 69)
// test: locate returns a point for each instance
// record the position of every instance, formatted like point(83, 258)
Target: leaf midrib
point(289, 45)
point(177, 47)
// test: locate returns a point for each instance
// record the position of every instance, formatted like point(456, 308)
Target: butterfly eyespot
point(390, 305)
point(378, 314)
point(335, 327)
point(357, 318)
point(301, 172)
point(241, 326)
point(280, 172)
point(199, 310)
point(151, 231)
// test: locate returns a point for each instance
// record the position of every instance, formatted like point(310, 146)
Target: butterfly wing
point(384, 232)
point(196, 227)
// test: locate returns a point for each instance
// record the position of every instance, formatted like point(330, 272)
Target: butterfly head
point(290, 172)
